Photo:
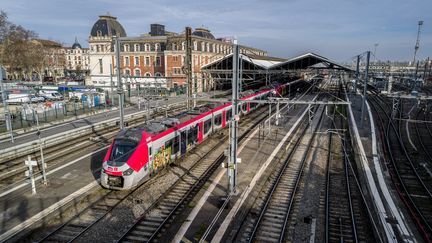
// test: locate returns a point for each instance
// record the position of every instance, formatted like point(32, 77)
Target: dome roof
point(107, 26)
point(202, 32)
point(76, 44)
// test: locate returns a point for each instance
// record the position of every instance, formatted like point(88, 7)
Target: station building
point(155, 58)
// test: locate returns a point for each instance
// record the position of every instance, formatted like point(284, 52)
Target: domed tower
point(203, 32)
point(101, 48)
point(107, 26)
point(76, 45)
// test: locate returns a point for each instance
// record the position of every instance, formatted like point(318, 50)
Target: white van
point(51, 95)
point(18, 98)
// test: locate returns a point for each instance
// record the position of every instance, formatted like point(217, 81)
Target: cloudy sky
point(337, 29)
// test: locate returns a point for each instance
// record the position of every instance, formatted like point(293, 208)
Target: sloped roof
point(308, 60)
point(261, 62)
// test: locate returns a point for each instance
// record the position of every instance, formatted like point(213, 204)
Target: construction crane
point(417, 46)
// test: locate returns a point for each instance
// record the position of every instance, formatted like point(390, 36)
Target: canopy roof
point(305, 61)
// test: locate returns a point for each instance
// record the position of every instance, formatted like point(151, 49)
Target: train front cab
point(125, 165)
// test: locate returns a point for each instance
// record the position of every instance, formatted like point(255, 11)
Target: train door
point(183, 142)
point(200, 132)
point(223, 119)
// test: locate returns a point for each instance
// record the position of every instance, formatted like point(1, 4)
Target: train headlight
point(128, 172)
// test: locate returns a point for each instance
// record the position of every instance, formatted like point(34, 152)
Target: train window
point(176, 145)
point(218, 120)
point(168, 144)
point(122, 150)
point(193, 135)
point(150, 151)
point(207, 126)
point(244, 107)
point(229, 114)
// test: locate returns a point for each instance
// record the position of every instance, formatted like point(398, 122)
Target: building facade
point(77, 61)
point(153, 59)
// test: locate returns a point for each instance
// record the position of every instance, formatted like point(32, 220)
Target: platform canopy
point(309, 60)
point(265, 63)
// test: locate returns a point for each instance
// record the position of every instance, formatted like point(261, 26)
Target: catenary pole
point(119, 83)
point(357, 74)
point(232, 165)
point(5, 106)
point(365, 89)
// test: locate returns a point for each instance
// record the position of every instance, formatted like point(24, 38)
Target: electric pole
point(5, 105)
point(417, 45)
point(363, 107)
point(119, 84)
point(357, 74)
point(188, 65)
point(232, 162)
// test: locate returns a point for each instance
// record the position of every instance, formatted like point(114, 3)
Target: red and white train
point(136, 153)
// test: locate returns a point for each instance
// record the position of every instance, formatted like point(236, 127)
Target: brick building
point(156, 58)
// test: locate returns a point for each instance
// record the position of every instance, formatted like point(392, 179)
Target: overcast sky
point(337, 29)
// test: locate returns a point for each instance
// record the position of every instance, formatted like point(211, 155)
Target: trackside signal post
point(232, 161)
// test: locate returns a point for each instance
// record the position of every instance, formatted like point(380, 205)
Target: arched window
point(147, 74)
point(126, 48)
point(127, 72)
point(183, 46)
point(137, 72)
point(202, 46)
point(214, 47)
point(158, 74)
point(195, 46)
point(157, 47)
point(137, 47)
point(207, 47)
point(147, 47)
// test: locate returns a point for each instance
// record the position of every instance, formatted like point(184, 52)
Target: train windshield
point(122, 150)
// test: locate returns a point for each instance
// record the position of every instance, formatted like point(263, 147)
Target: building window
point(195, 46)
point(157, 47)
point(147, 61)
point(158, 62)
point(207, 47)
point(147, 74)
point(158, 74)
point(100, 66)
point(126, 48)
point(175, 58)
point(183, 46)
point(136, 61)
point(137, 72)
point(127, 72)
point(126, 61)
point(137, 47)
point(147, 47)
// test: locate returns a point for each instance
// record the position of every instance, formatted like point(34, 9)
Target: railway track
point(410, 185)
point(345, 217)
point(149, 226)
point(267, 220)
point(12, 171)
point(78, 225)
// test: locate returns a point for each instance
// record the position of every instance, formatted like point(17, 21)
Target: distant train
point(136, 153)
